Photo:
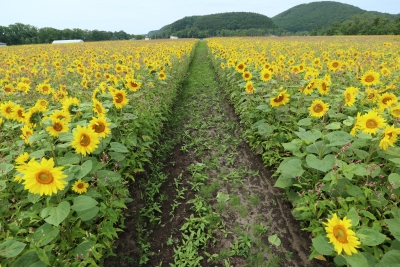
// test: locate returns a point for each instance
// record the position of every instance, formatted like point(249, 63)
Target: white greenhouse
point(3, 44)
point(67, 41)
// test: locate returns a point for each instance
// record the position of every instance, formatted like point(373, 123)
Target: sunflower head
point(339, 234)
point(80, 187)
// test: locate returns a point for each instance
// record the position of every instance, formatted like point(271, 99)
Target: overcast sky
point(140, 17)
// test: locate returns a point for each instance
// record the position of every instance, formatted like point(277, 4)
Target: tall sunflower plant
point(69, 154)
point(328, 121)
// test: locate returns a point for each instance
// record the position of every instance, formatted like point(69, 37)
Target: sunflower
point(119, 98)
point(394, 111)
point(22, 159)
point(58, 126)
point(350, 96)
point(162, 76)
point(370, 78)
point(310, 87)
point(133, 85)
point(24, 87)
point(26, 133)
point(6, 110)
point(339, 234)
point(43, 178)
point(323, 87)
point(249, 87)
point(85, 140)
point(279, 100)
point(80, 187)
point(247, 75)
point(222, 65)
point(8, 89)
point(60, 115)
point(266, 75)
point(372, 122)
point(371, 95)
point(41, 104)
point(389, 137)
point(44, 88)
point(318, 108)
point(240, 67)
point(98, 108)
point(100, 126)
point(356, 125)
point(19, 113)
point(334, 65)
point(387, 100)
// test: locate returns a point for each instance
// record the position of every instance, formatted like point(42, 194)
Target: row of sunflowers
point(77, 122)
point(325, 112)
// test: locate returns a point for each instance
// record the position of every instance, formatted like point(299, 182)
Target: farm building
point(67, 41)
point(3, 44)
point(147, 38)
point(173, 37)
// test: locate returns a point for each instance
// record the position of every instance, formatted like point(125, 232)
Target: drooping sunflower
point(33, 116)
point(389, 137)
point(57, 126)
point(281, 99)
point(24, 87)
point(350, 96)
point(387, 100)
point(100, 126)
point(339, 234)
point(356, 126)
point(85, 140)
point(371, 122)
point(266, 75)
point(250, 87)
point(246, 75)
point(162, 76)
point(43, 178)
point(80, 187)
point(318, 108)
point(71, 105)
point(309, 89)
point(370, 78)
point(6, 109)
point(119, 98)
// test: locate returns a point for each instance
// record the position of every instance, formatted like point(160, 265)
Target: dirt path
point(235, 217)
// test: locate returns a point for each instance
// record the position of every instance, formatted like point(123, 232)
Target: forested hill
point(222, 24)
point(317, 15)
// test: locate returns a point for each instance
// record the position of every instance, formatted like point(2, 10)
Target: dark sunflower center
point(318, 108)
point(99, 127)
point(8, 110)
point(371, 123)
point(19, 112)
point(44, 177)
point(279, 98)
point(386, 99)
point(369, 79)
point(119, 98)
point(335, 64)
point(57, 127)
point(340, 233)
point(85, 140)
point(80, 185)
point(348, 97)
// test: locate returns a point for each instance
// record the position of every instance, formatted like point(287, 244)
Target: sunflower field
point(77, 122)
point(325, 111)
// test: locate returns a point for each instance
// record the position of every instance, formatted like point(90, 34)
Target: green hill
point(306, 17)
point(217, 24)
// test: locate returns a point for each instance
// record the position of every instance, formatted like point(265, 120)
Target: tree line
point(19, 33)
